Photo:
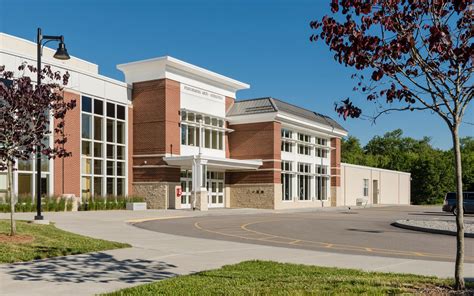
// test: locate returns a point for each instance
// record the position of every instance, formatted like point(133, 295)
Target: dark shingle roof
point(268, 104)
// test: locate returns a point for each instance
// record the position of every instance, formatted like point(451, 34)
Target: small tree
point(25, 111)
point(418, 54)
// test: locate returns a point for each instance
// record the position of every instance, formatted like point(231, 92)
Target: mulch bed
point(17, 239)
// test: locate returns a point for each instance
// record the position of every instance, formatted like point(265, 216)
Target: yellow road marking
point(268, 237)
point(348, 247)
point(153, 219)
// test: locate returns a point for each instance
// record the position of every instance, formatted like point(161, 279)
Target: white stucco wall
point(393, 186)
point(84, 76)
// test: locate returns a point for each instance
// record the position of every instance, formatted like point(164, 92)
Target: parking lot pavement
point(361, 231)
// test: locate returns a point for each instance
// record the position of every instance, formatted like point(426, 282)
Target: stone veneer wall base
point(335, 193)
point(260, 196)
point(156, 194)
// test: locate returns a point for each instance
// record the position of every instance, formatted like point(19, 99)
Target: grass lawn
point(271, 278)
point(43, 241)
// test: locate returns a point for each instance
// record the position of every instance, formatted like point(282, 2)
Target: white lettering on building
point(201, 93)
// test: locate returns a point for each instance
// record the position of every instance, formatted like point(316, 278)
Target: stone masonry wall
point(155, 194)
point(260, 196)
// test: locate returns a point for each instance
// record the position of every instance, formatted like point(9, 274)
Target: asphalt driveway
point(360, 231)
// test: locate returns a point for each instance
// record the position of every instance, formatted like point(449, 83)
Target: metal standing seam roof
point(269, 104)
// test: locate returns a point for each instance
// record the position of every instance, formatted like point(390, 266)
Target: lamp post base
point(40, 217)
point(41, 222)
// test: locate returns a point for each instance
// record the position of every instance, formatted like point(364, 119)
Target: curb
point(429, 230)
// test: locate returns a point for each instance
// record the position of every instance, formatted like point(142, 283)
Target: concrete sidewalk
point(156, 256)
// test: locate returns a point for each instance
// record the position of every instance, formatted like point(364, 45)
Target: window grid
point(304, 179)
point(286, 180)
point(212, 130)
point(103, 148)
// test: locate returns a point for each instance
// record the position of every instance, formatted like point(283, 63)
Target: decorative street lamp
point(61, 54)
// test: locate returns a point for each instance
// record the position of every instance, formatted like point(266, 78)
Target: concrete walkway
point(156, 256)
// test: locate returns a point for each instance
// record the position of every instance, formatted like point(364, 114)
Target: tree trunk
point(459, 268)
point(12, 198)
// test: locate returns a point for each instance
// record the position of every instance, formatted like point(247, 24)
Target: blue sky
point(263, 43)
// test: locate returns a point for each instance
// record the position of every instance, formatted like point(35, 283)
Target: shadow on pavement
point(365, 230)
point(431, 214)
point(441, 214)
point(93, 268)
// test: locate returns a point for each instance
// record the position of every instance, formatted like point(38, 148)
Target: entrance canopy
point(216, 163)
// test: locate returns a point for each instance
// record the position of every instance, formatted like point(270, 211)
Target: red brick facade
point(256, 141)
point(228, 104)
point(156, 129)
point(72, 165)
point(156, 106)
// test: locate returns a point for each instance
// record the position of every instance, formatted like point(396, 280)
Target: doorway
point(375, 192)
point(186, 188)
point(215, 189)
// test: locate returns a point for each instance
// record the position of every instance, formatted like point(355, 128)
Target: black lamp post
point(61, 54)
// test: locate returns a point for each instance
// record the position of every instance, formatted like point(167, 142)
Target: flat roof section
point(161, 67)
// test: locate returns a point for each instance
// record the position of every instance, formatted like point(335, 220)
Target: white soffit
point(215, 162)
point(310, 125)
point(172, 68)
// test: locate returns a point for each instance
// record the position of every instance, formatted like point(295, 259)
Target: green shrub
point(68, 205)
point(134, 198)
point(61, 205)
point(4, 207)
point(26, 203)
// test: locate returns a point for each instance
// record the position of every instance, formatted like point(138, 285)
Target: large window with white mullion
point(213, 130)
point(286, 140)
point(304, 144)
point(322, 180)
point(24, 179)
point(103, 148)
point(322, 147)
point(304, 181)
point(287, 180)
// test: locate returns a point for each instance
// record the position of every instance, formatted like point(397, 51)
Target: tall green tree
point(352, 151)
point(467, 151)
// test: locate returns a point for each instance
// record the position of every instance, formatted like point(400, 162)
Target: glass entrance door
point(215, 189)
point(186, 187)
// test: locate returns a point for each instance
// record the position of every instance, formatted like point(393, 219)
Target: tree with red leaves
point(26, 111)
point(418, 56)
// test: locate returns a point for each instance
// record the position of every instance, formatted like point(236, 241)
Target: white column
point(199, 194)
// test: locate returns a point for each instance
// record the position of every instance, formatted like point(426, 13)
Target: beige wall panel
point(389, 188)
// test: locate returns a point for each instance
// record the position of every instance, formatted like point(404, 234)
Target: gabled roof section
point(269, 105)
